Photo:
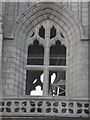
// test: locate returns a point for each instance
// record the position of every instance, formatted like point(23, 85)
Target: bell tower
point(44, 60)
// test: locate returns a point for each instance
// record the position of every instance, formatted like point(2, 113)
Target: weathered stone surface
point(14, 54)
point(73, 22)
point(45, 118)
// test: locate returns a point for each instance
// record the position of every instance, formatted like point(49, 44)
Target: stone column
point(1, 40)
point(46, 60)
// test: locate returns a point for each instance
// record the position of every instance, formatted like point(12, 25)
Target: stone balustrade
point(44, 106)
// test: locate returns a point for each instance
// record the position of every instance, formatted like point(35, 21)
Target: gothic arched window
point(46, 62)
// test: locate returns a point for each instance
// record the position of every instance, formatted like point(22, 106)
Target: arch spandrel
point(43, 11)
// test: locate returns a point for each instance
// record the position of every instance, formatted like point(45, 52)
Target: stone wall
point(12, 70)
point(14, 52)
point(12, 10)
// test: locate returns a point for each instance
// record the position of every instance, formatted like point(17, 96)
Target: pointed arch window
point(57, 58)
point(46, 62)
point(35, 54)
point(58, 54)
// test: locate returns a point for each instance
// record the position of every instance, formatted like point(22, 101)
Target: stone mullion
point(46, 60)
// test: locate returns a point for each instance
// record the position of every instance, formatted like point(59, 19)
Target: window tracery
point(42, 32)
point(52, 32)
point(44, 58)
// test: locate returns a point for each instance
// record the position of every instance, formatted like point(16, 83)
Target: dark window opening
point(35, 54)
point(57, 83)
point(34, 82)
point(32, 34)
point(42, 32)
point(58, 54)
point(62, 35)
point(52, 32)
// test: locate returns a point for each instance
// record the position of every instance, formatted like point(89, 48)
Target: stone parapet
point(32, 106)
